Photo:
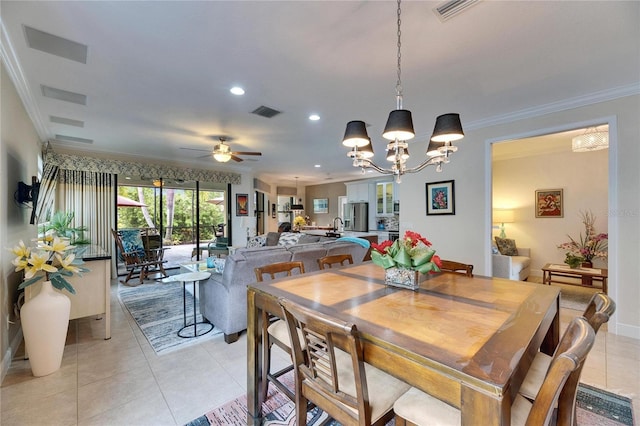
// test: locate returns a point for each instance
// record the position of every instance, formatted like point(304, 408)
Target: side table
point(192, 277)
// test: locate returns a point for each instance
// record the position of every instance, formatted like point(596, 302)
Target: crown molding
point(12, 65)
point(566, 104)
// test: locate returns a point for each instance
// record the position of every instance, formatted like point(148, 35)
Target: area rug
point(594, 407)
point(571, 296)
point(157, 308)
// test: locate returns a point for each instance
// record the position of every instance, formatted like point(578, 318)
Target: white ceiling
point(158, 74)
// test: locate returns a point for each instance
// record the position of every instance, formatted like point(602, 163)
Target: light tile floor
point(122, 381)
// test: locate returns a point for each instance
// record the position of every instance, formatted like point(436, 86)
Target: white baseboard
point(627, 330)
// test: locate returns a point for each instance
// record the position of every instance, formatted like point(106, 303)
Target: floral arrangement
point(53, 255)
point(411, 252)
point(590, 245)
point(299, 221)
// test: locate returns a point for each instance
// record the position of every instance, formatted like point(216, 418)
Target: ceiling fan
point(222, 152)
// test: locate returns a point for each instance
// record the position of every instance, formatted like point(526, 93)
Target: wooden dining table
point(468, 341)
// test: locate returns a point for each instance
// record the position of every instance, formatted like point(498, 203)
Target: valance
point(130, 168)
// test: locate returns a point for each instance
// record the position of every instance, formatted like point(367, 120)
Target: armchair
point(512, 267)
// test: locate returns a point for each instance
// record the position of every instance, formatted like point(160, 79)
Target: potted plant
point(45, 317)
point(589, 246)
point(405, 259)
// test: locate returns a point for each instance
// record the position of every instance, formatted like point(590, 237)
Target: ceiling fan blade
point(195, 149)
point(237, 159)
point(209, 155)
point(246, 153)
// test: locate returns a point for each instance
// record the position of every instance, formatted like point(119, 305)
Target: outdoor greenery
point(179, 209)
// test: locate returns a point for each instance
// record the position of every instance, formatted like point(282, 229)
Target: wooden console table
point(585, 275)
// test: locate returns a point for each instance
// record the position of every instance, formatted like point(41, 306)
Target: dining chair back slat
point(336, 259)
point(457, 267)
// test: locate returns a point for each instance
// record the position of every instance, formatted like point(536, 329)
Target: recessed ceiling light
point(237, 90)
point(314, 117)
point(317, 165)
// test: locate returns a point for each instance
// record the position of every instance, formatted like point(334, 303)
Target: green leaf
point(402, 258)
point(30, 281)
point(428, 267)
point(383, 260)
point(422, 257)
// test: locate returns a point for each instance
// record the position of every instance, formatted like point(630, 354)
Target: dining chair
point(336, 259)
point(457, 267)
point(333, 375)
point(597, 312)
point(419, 408)
point(275, 331)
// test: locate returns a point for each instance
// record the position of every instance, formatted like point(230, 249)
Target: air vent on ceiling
point(63, 95)
point(55, 45)
point(63, 138)
point(264, 111)
point(67, 121)
point(452, 8)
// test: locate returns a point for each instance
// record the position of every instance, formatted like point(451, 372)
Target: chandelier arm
point(433, 161)
point(368, 164)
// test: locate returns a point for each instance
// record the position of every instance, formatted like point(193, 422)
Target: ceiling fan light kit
point(398, 130)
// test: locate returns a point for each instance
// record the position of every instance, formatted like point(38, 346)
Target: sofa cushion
point(289, 238)
point(507, 246)
point(257, 241)
point(272, 238)
point(307, 239)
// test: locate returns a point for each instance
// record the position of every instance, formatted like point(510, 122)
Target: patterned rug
point(595, 407)
point(157, 308)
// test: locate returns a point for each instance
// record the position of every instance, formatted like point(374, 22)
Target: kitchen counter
point(342, 234)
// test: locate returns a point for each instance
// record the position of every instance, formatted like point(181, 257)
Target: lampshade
point(355, 134)
point(434, 149)
point(367, 150)
point(399, 126)
point(448, 128)
point(591, 140)
point(503, 216)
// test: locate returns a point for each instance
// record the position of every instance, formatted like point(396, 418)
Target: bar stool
point(192, 277)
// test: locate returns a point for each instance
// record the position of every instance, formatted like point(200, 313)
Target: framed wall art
point(242, 205)
point(321, 205)
point(440, 198)
point(549, 203)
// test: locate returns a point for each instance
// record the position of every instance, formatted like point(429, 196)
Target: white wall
point(583, 177)
point(466, 235)
point(19, 152)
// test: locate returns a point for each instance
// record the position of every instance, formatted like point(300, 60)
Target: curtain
point(47, 192)
point(90, 195)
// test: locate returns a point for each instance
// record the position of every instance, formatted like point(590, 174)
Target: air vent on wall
point(55, 45)
point(452, 8)
point(67, 121)
point(264, 111)
point(63, 138)
point(63, 95)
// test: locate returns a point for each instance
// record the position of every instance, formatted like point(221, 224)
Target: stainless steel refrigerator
point(356, 217)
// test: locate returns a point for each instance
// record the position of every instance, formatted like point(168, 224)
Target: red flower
point(382, 247)
point(414, 237)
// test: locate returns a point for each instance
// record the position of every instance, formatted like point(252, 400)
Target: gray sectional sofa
point(223, 298)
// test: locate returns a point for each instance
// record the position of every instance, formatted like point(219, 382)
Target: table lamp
point(502, 217)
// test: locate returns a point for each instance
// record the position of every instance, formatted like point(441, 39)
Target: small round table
point(192, 277)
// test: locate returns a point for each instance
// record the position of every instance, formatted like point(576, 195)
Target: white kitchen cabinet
point(357, 192)
point(384, 198)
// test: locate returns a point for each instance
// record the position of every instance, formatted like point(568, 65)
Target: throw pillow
point(132, 242)
point(289, 238)
point(257, 241)
point(507, 246)
point(272, 238)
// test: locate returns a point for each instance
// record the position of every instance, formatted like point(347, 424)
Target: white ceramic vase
point(45, 320)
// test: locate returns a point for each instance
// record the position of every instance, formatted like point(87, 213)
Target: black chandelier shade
point(399, 126)
point(356, 134)
point(448, 128)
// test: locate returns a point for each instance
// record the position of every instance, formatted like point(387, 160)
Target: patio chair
point(140, 261)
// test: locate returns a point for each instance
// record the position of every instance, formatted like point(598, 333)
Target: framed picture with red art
point(440, 198)
point(549, 203)
point(242, 205)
